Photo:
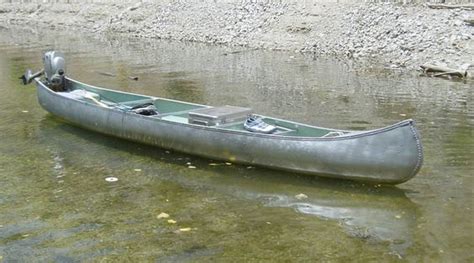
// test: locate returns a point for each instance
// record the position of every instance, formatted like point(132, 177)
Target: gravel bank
point(393, 35)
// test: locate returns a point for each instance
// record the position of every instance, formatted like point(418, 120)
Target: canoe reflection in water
point(387, 216)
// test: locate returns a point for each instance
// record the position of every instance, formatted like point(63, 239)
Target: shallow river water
point(55, 204)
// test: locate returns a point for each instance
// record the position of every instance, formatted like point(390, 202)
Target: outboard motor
point(54, 70)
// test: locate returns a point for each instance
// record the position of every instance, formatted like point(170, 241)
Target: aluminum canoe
point(388, 155)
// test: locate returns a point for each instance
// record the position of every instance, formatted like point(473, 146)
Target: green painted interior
point(297, 129)
point(168, 107)
point(108, 95)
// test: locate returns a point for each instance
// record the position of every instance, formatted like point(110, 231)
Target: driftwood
point(444, 6)
point(439, 71)
point(239, 51)
point(108, 74)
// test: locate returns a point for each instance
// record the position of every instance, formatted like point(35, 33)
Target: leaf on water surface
point(162, 215)
point(111, 179)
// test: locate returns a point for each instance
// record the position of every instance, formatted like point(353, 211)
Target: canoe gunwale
point(352, 135)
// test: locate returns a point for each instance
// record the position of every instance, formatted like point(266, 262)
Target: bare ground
point(394, 35)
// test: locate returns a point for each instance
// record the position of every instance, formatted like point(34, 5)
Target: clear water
point(55, 204)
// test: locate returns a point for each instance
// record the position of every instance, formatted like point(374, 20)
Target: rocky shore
point(390, 34)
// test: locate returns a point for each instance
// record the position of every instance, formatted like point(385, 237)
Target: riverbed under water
point(55, 204)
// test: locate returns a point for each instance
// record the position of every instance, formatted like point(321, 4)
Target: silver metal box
point(218, 115)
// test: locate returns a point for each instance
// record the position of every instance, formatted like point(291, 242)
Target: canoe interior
point(177, 111)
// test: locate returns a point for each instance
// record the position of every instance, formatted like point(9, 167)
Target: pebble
point(301, 196)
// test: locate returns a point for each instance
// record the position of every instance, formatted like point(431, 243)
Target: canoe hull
point(389, 155)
